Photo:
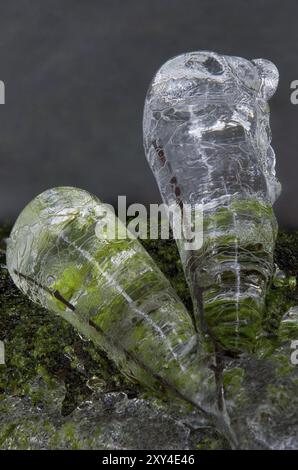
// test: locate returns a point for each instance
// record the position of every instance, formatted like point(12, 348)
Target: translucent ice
point(111, 291)
point(207, 140)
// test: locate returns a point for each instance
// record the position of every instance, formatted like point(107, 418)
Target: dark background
point(76, 73)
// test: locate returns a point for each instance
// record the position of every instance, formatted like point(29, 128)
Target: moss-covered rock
point(43, 347)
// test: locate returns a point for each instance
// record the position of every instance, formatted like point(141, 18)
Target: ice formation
point(111, 291)
point(207, 141)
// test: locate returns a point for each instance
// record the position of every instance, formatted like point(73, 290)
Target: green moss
point(258, 208)
point(6, 432)
point(38, 344)
point(223, 217)
point(211, 442)
point(233, 384)
point(286, 252)
point(34, 338)
point(166, 256)
point(279, 396)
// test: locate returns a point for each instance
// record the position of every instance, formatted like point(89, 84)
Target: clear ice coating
point(207, 141)
point(111, 291)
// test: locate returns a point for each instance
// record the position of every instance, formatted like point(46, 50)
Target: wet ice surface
point(268, 420)
point(264, 409)
point(104, 421)
point(207, 140)
point(208, 117)
point(111, 291)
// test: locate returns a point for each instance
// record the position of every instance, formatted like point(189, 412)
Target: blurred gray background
point(76, 73)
